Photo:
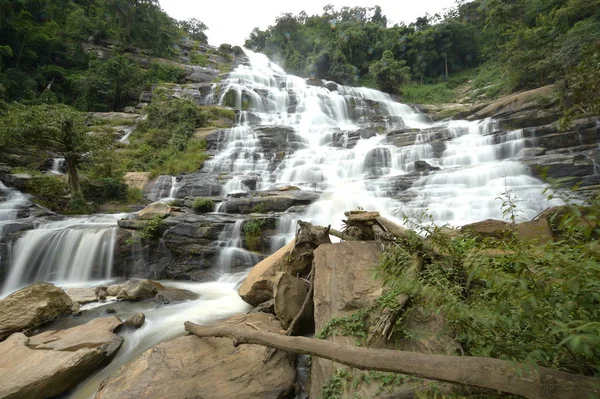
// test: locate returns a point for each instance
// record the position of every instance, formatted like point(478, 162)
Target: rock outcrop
point(155, 210)
point(192, 367)
point(50, 363)
point(289, 293)
point(31, 307)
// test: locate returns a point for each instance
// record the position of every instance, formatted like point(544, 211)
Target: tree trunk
point(73, 177)
point(519, 379)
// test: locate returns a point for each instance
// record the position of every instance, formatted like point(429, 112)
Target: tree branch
point(500, 375)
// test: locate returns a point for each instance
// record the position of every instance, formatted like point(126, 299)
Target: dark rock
point(422, 166)
point(111, 311)
point(171, 294)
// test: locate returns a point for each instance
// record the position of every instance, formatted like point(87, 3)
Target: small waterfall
point(71, 250)
point(58, 166)
point(231, 252)
point(13, 202)
point(128, 130)
point(164, 189)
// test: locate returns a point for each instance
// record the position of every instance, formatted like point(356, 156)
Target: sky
point(231, 21)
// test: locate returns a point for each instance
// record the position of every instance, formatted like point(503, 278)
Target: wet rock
point(289, 293)
point(207, 367)
point(135, 321)
point(423, 166)
point(146, 97)
point(31, 307)
point(272, 202)
point(111, 311)
point(114, 289)
point(200, 184)
point(137, 290)
point(82, 295)
point(50, 363)
point(171, 294)
point(154, 210)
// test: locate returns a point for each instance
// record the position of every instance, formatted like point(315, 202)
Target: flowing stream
point(338, 141)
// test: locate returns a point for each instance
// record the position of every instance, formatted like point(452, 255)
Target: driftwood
point(519, 379)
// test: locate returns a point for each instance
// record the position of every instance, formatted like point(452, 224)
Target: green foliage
point(199, 59)
point(134, 195)
point(334, 385)
point(253, 233)
point(49, 191)
point(203, 205)
point(79, 206)
point(152, 230)
point(194, 29)
point(427, 94)
point(580, 90)
point(512, 299)
point(390, 74)
point(104, 189)
point(354, 325)
point(162, 72)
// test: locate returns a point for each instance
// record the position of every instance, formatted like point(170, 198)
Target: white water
point(217, 300)
point(9, 208)
point(231, 252)
point(58, 165)
point(71, 250)
point(476, 166)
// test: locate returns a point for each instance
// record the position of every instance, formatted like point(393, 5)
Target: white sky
point(231, 21)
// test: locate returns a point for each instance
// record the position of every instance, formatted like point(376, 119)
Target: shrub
point(152, 230)
point(104, 189)
point(253, 233)
point(203, 205)
point(49, 191)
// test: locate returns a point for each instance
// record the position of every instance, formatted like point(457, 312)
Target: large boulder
point(489, 228)
point(137, 179)
point(289, 293)
point(154, 210)
point(193, 367)
point(50, 363)
point(82, 295)
point(32, 306)
point(258, 286)
point(344, 283)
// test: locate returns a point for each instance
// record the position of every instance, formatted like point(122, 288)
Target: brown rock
point(50, 363)
point(538, 229)
point(135, 321)
point(172, 294)
point(114, 289)
point(32, 306)
point(82, 295)
point(137, 179)
point(289, 293)
point(193, 367)
point(156, 209)
point(137, 290)
point(489, 228)
point(258, 286)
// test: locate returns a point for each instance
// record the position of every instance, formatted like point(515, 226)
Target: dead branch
point(519, 379)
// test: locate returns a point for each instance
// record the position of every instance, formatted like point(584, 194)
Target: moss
point(229, 99)
point(253, 233)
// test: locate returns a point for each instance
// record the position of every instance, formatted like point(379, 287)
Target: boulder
point(137, 179)
point(114, 289)
point(193, 367)
point(50, 363)
point(258, 285)
point(156, 209)
point(171, 294)
point(32, 306)
point(289, 293)
point(135, 321)
point(538, 229)
point(137, 290)
point(272, 203)
point(82, 295)
point(489, 228)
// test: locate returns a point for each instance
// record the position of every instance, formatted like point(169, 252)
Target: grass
point(203, 205)
point(176, 162)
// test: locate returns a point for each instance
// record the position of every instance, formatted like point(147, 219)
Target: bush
point(253, 234)
point(79, 206)
point(203, 205)
point(199, 59)
point(49, 191)
point(152, 230)
point(104, 189)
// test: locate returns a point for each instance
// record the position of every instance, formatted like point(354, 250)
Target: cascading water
point(232, 253)
point(13, 202)
point(337, 152)
point(58, 166)
point(68, 251)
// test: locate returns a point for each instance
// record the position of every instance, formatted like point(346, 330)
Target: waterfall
point(13, 202)
point(339, 141)
point(231, 252)
point(71, 250)
point(58, 166)
point(163, 189)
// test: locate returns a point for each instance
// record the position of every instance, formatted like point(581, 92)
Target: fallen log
point(519, 379)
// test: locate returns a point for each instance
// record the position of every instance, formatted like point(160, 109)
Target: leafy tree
point(56, 128)
point(195, 29)
point(389, 73)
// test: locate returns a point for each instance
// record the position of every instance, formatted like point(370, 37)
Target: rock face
point(82, 295)
point(137, 179)
point(50, 363)
point(289, 293)
point(192, 367)
point(137, 290)
point(32, 306)
point(156, 209)
point(343, 284)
